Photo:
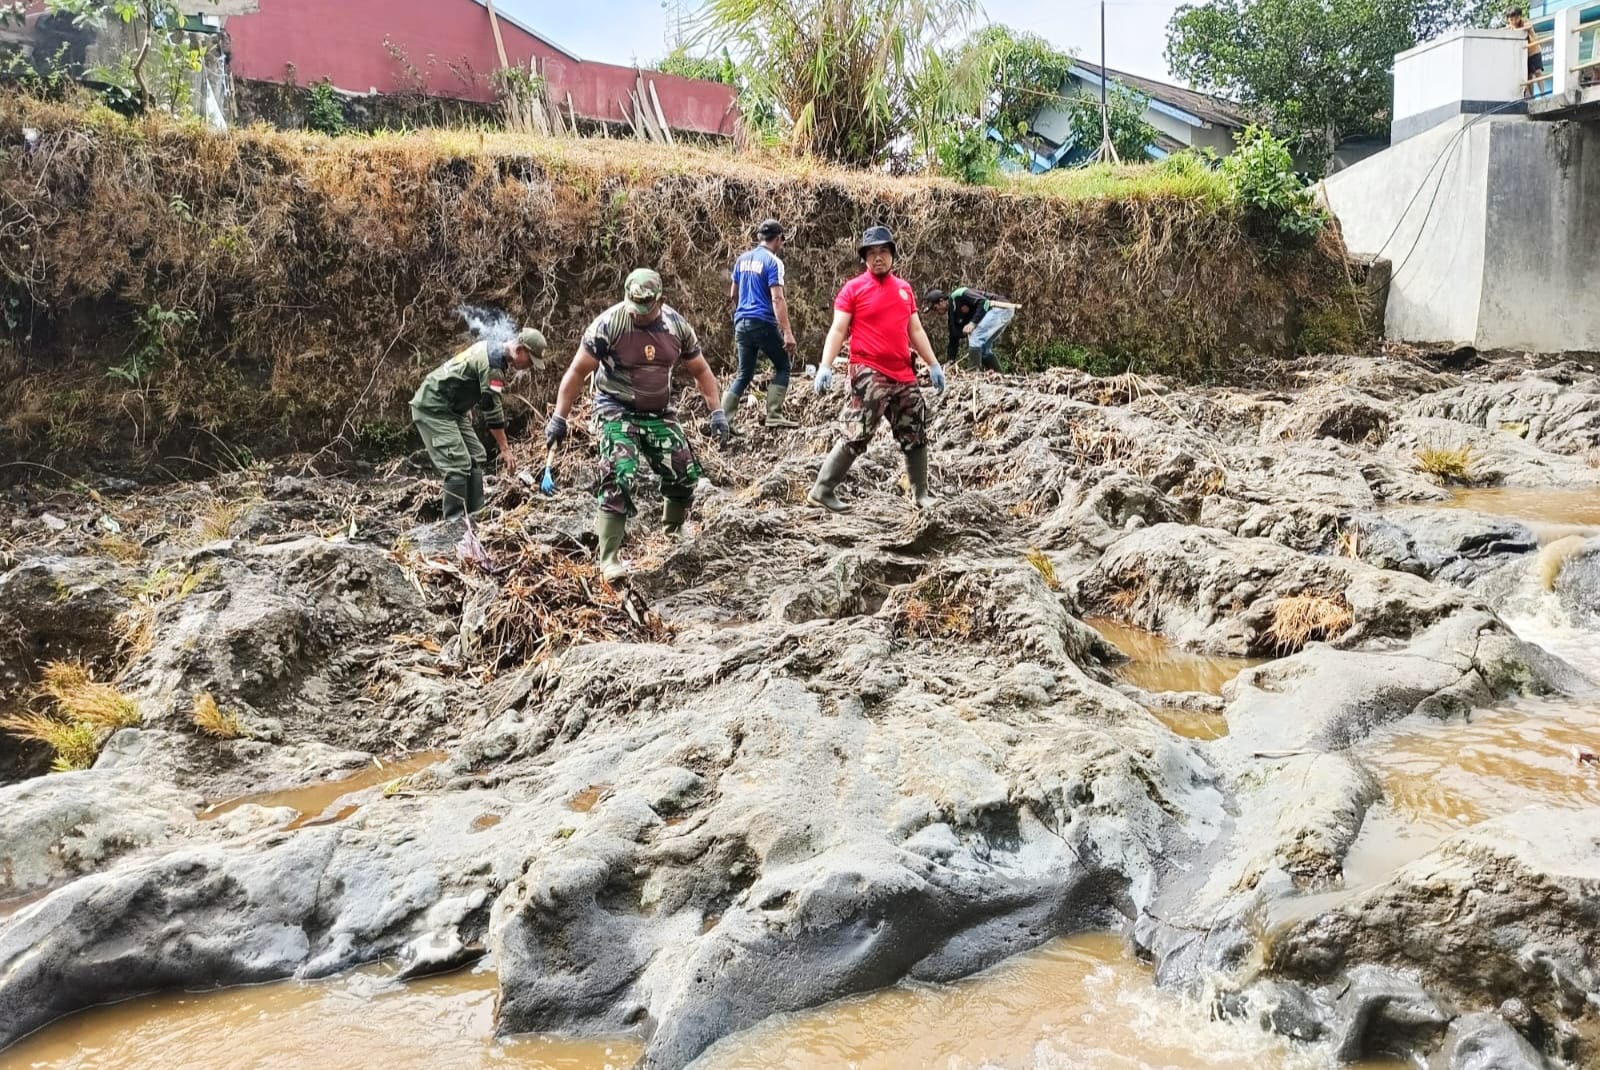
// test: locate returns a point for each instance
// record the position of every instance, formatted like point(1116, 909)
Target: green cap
point(643, 290)
point(531, 340)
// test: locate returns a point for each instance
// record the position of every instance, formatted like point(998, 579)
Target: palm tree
point(852, 77)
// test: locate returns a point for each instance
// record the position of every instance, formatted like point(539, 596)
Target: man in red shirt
point(878, 312)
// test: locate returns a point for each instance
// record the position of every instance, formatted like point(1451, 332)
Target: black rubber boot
point(775, 397)
point(457, 487)
point(917, 473)
point(833, 470)
point(610, 528)
point(673, 514)
point(475, 490)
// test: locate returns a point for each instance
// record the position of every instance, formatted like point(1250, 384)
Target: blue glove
point(936, 374)
point(824, 379)
point(720, 428)
point(555, 432)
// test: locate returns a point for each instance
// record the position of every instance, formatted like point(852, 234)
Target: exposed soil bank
point(276, 290)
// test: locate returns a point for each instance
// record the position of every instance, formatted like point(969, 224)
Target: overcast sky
point(625, 31)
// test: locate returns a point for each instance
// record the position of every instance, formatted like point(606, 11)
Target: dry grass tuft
point(937, 609)
point(1446, 464)
point(81, 699)
point(1045, 567)
point(1553, 558)
point(1592, 458)
point(75, 745)
point(1300, 618)
point(121, 548)
point(1025, 508)
point(215, 721)
point(1349, 544)
point(216, 518)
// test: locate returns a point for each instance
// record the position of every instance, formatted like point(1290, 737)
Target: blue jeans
point(752, 338)
point(980, 343)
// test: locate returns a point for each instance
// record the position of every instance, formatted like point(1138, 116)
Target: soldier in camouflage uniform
point(631, 350)
point(877, 313)
point(442, 407)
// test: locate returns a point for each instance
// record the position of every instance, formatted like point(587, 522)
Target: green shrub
point(324, 110)
point(966, 154)
point(1262, 179)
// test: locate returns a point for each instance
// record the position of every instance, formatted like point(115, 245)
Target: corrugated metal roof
point(1201, 105)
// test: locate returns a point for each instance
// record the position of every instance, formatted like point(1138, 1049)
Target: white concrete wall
point(1492, 225)
point(1463, 65)
point(1428, 222)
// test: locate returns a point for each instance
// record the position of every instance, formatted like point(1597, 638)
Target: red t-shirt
point(880, 335)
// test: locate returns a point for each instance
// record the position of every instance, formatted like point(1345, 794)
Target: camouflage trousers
point(659, 440)
point(875, 398)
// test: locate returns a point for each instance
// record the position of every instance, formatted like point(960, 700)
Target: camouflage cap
point(531, 340)
point(643, 290)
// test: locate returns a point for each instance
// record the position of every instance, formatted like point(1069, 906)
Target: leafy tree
point(1316, 71)
point(158, 70)
point(1131, 135)
point(1261, 178)
point(848, 78)
point(965, 153)
point(1024, 72)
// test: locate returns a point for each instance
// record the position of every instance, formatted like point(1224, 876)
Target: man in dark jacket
point(442, 406)
point(977, 316)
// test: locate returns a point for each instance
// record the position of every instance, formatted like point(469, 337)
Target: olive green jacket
point(462, 382)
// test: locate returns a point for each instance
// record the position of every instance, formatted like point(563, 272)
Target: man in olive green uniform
point(442, 407)
point(631, 350)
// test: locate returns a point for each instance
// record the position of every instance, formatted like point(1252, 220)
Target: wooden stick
point(572, 113)
point(499, 41)
point(667, 130)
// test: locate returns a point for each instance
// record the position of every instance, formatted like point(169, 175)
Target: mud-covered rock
point(1560, 417)
point(1454, 546)
point(1505, 909)
point(1577, 584)
point(1485, 1041)
point(1211, 591)
point(1335, 412)
point(1381, 1012)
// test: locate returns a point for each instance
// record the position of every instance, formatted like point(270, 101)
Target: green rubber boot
point(609, 528)
point(833, 470)
point(730, 409)
point(775, 417)
point(673, 514)
point(917, 473)
point(475, 490)
point(457, 487)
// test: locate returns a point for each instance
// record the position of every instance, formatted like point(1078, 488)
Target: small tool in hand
point(548, 483)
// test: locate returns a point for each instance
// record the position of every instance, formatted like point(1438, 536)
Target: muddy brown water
point(1550, 512)
point(312, 802)
point(1157, 665)
point(354, 1022)
point(1082, 1002)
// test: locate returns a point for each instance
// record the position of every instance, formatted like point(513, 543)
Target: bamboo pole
point(661, 115)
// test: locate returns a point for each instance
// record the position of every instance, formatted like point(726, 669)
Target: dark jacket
point(967, 305)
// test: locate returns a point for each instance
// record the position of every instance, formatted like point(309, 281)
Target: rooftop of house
point(1203, 106)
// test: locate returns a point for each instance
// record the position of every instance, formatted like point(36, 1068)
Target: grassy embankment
point(170, 290)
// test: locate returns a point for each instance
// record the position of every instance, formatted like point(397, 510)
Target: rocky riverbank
point(810, 755)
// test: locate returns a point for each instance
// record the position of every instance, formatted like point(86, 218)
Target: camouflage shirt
point(465, 380)
point(635, 373)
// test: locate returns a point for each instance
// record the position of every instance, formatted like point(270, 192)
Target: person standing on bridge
point(442, 406)
point(877, 312)
point(631, 351)
point(761, 323)
point(977, 316)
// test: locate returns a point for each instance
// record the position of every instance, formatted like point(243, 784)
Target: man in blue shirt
point(761, 323)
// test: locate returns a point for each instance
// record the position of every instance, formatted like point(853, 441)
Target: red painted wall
point(451, 44)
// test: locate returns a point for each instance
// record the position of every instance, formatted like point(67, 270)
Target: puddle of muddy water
point(1192, 724)
point(1081, 1002)
point(584, 801)
point(1157, 665)
point(1551, 513)
point(312, 802)
point(360, 1020)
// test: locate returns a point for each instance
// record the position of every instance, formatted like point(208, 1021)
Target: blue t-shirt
point(756, 273)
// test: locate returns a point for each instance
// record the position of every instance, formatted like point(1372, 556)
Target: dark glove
point(555, 432)
point(720, 428)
